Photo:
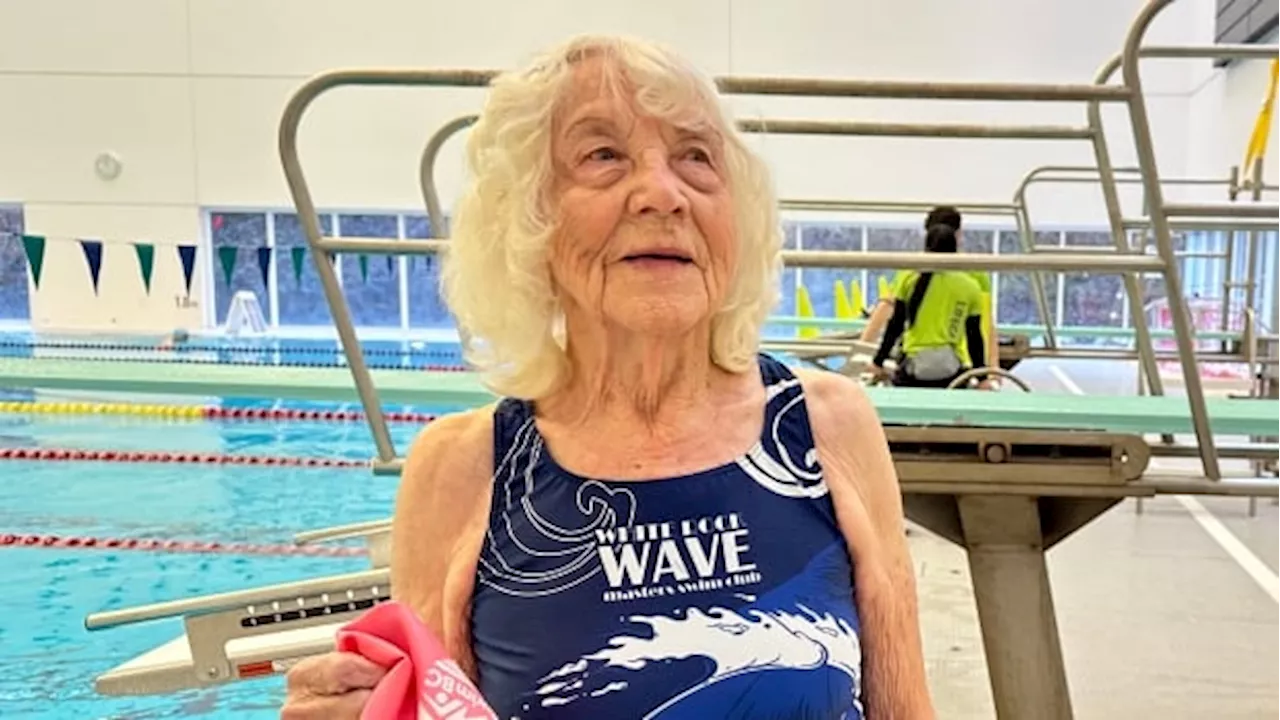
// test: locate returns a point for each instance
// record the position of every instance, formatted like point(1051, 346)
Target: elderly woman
point(656, 521)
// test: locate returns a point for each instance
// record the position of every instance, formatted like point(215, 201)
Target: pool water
point(48, 659)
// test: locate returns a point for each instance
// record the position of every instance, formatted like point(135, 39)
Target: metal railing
point(1129, 93)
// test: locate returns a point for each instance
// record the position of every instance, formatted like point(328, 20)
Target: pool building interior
point(221, 324)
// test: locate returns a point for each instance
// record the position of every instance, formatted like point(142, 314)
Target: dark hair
point(943, 215)
point(940, 238)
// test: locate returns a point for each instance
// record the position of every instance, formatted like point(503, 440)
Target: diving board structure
point(1004, 475)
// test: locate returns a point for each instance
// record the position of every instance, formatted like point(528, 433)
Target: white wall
point(189, 94)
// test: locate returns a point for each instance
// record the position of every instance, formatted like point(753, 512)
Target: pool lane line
point(173, 458)
point(177, 359)
point(43, 541)
point(231, 349)
point(199, 412)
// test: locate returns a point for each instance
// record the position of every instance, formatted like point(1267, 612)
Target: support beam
point(1015, 607)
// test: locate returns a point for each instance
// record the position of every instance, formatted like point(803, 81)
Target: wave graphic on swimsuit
point(567, 549)
point(754, 641)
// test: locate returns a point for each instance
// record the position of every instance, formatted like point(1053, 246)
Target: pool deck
point(1157, 620)
point(1169, 614)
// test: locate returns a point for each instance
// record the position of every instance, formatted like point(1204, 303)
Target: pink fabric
point(422, 682)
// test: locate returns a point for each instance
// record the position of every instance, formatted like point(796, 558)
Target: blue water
point(48, 658)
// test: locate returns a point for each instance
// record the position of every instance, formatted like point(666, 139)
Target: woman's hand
point(333, 686)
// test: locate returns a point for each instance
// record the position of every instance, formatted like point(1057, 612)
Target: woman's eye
point(698, 155)
point(603, 154)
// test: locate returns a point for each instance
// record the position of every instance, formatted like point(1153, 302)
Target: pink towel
point(422, 681)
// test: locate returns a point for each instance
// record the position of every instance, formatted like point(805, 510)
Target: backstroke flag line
point(93, 256)
point(33, 246)
point(187, 254)
point(146, 262)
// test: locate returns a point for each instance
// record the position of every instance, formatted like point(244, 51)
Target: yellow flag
point(857, 304)
point(1262, 126)
point(804, 308)
point(844, 309)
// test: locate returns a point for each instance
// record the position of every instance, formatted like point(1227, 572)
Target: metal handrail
point(1127, 61)
point(1130, 93)
point(219, 602)
point(341, 532)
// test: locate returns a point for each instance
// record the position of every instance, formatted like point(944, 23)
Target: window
point(371, 283)
point(15, 304)
point(882, 239)
point(1015, 300)
point(1154, 291)
point(236, 238)
point(820, 282)
point(786, 304)
point(426, 307)
point(300, 294)
point(1092, 299)
point(381, 291)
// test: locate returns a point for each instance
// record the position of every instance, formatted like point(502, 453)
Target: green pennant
point(364, 268)
point(297, 255)
point(33, 246)
point(146, 261)
point(227, 258)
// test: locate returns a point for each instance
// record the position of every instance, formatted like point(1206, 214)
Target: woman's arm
point(897, 324)
point(975, 342)
point(879, 317)
point(864, 488)
point(440, 517)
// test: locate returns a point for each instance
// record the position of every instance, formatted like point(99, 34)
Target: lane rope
point(198, 412)
point(239, 349)
point(179, 359)
point(185, 458)
point(27, 540)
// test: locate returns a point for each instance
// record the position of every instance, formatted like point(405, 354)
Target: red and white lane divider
point(174, 546)
point(140, 456)
point(200, 412)
point(219, 413)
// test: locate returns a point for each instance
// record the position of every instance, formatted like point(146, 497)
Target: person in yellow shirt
point(938, 316)
point(883, 311)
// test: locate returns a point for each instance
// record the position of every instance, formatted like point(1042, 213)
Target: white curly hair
point(495, 276)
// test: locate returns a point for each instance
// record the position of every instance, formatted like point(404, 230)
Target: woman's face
point(645, 238)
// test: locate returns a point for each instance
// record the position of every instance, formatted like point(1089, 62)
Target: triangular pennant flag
point(364, 268)
point(804, 308)
point(146, 261)
point(227, 259)
point(264, 264)
point(93, 255)
point(858, 304)
point(33, 246)
point(298, 254)
point(844, 309)
point(187, 254)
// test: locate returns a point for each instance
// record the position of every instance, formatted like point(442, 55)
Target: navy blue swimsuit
point(725, 594)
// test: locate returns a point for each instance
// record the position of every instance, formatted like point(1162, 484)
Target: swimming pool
point(50, 660)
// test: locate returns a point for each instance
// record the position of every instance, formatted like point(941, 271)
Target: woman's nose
point(658, 188)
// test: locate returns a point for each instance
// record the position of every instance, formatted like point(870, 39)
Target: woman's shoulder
point(834, 400)
point(457, 446)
